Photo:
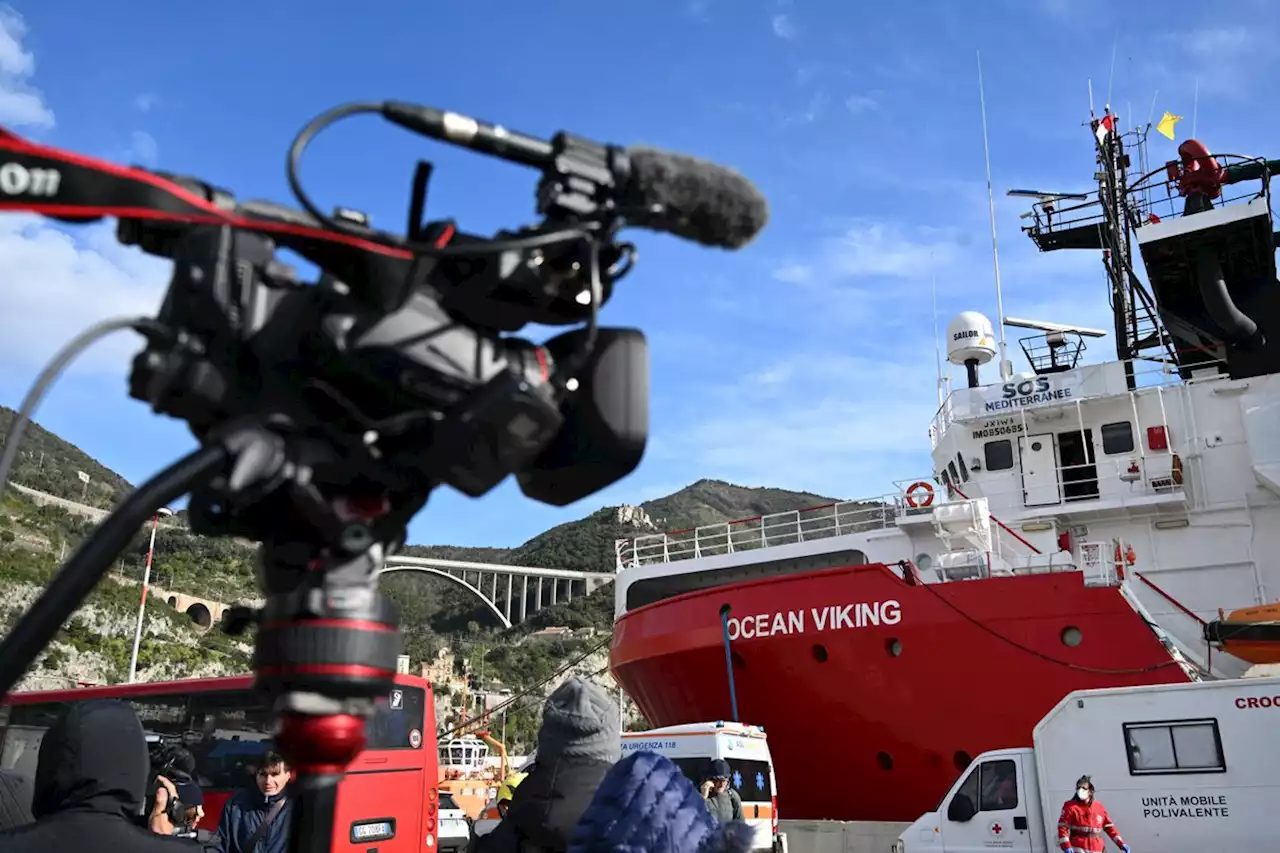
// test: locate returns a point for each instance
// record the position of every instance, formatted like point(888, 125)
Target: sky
point(804, 361)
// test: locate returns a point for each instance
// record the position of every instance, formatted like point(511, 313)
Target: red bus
point(387, 800)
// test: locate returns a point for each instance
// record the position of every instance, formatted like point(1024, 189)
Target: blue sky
point(805, 361)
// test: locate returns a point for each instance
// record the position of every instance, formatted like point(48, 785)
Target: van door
point(1038, 455)
point(989, 809)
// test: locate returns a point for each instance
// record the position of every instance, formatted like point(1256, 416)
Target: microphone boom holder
point(326, 413)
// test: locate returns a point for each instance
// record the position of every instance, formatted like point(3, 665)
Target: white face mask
point(1082, 793)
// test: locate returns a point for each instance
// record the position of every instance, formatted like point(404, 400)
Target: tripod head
point(328, 411)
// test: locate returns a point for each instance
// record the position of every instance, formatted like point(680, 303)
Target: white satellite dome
point(970, 339)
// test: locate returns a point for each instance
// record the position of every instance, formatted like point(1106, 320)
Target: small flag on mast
point(1167, 123)
point(1106, 124)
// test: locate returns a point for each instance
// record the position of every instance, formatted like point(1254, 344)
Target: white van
point(1181, 768)
point(692, 747)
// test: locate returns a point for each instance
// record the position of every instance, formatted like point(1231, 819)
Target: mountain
point(433, 610)
point(49, 464)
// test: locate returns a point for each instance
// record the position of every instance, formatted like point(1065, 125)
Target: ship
point(1087, 523)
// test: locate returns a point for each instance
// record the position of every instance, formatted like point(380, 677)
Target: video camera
point(327, 412)
point(178, 765)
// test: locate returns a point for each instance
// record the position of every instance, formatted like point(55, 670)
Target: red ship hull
point(872, 721)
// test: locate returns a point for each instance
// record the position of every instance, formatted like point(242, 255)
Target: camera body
point(175, 763)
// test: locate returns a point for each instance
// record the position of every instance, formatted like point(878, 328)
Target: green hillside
point(433, 611)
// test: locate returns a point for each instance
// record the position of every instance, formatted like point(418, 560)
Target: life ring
point(1200, 170)
point(1175, 472)
point(914, 488)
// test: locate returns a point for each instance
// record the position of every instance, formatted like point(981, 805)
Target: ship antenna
point(1006, 368)
point(937, 341)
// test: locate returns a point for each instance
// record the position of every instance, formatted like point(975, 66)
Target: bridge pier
point(524, 597)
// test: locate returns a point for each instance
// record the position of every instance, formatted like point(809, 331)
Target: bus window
point(395, 718)
point(228, 732)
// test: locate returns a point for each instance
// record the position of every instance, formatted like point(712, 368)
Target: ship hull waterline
point(874, 721)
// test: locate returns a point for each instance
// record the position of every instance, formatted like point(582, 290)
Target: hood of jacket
point(548, 803)
point(93, 758)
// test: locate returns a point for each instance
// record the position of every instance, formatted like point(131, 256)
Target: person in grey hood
point(91, 776)
point(722, 801)
point(578, 743)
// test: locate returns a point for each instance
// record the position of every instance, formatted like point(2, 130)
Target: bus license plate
point(374, 830)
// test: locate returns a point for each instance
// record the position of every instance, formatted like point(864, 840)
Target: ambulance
point(745, 748)
point(1181, 768)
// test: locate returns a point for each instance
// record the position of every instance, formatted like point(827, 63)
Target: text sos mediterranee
point(834, 617)
point(1195, 805)
point(1028, 392)
point(17, 179)
point(651, 745)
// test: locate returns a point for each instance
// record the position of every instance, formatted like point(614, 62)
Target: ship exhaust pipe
point(1237, 327)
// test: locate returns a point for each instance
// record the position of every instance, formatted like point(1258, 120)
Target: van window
point(969, 787)
point(999, 454)
point(999, 785)
point(1174, 747)
point(749, 778)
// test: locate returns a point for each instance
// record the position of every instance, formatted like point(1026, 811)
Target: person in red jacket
point(1083, 822)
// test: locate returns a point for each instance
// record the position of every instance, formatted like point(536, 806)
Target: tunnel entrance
point(200, 615)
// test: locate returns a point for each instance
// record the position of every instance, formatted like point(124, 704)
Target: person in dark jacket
point(15, 800)
point(578, 743)
point(91, 776)
point(647, 805)
point(257, 820)
point(723, 802)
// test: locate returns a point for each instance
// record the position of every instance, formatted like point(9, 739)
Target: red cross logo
point(997, 829)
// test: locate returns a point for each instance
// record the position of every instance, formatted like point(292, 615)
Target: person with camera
point(176, 808)
point(91, 779)
point(257, 820)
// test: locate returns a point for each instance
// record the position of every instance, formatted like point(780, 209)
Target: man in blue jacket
point(256, 820)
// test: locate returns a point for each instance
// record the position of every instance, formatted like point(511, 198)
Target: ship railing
point(765, 531)
point(1148, 373)
point(1155, 197)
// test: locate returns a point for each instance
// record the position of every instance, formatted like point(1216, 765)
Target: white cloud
point(143, 149)
point(784, 27)
point(56, 282)
point(819, 420)
point(1221, 60)
point(859, 104)
point(20, 104)
point(54, 286)
point(145, 102)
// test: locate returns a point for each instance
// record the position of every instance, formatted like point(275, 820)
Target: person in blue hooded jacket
point(257, 820)
point(647, 805)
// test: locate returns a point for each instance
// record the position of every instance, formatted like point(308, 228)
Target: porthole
point(885, 760)
point(1071, 636)
point(961, 759)
point(819, 653)
point(893, 646)
point(924, 562)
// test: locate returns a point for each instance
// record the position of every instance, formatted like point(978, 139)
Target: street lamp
point(142, 608)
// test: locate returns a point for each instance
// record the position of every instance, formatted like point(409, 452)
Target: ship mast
point(1136, 319)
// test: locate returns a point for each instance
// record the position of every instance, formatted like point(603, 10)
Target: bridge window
point(951, 468)
point(1117, 438)
point(998, 455)
point(964, 469)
